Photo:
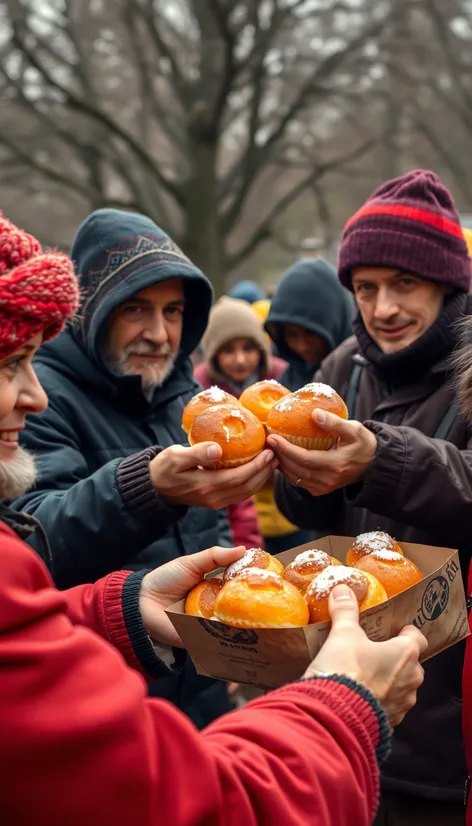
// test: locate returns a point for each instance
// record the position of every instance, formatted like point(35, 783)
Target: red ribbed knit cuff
point(125, 628)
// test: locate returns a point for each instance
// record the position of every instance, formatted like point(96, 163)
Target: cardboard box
point(270, 657)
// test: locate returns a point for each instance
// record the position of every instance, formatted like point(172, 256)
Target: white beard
point(17, 475)
point(151, 375)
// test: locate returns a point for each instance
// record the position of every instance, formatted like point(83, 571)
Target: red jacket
point(82, 744)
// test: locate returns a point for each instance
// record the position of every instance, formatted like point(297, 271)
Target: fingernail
point(320, 416)
point(341, 591)
point(269, 457)
point(213, 452)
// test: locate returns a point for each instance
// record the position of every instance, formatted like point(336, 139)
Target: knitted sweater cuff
point(139, 638)
point(364, 696)
point(139, 495)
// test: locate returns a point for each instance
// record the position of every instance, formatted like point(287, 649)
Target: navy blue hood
point(310, 295)
point(117, 254)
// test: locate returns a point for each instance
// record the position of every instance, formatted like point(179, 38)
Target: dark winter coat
point(93, 444)
point(418, 489)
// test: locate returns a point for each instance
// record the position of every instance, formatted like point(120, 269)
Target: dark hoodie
point(94, 442)
point(310, 295)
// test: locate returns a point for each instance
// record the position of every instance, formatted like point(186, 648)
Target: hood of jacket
point(247, 291)
point(310, 295)
point(117, 254)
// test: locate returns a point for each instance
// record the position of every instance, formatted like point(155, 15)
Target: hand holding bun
point(260, 397)
point(367, 588)
point(238, 432)
point(253, 558)
point(260, 599)
point(389, 670)
point(306, 566)
point(292, 417)
point(204, 399)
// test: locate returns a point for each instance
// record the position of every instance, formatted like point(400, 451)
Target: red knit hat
point(411, 224)
point(38, 291)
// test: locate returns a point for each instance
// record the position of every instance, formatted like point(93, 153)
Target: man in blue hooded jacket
point(117, 485)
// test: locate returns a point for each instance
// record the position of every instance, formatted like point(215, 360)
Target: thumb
point(343, 608)
point(334, 424)
point(201, 455)
point(206, 561)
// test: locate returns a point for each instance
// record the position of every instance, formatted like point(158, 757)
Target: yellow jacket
point(271, 521)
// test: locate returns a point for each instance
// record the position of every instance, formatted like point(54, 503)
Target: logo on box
point(435, 598)
point(434, 602)
point(240, 636)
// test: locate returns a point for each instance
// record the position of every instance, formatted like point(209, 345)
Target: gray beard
point(17, 475)
point(153, 377)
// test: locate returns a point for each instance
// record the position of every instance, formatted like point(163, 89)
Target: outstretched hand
point(171, 582)
point(389, 670)
point(179, 474)
point(322, 471)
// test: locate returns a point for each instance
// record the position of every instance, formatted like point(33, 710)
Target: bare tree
point(199, 113)
point(432, 75)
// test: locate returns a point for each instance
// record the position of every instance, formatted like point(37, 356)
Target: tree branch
point(100, 117)
point(255, 156)
point(264, 230)
point(49, 172)
point(450, 159)
point(145, 10)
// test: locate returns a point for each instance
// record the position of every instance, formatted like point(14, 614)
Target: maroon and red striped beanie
point(411, 224)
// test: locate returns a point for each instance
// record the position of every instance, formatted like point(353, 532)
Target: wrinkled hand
point(389, 670)
point(178, 474)
point(171, 582)
point(322, 471)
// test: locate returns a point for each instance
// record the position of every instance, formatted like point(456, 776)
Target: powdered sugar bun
point(206, 398)
point(367, 543)
point(393, 570)
point(253, 558)
point(260, 599)
point(306, 566)
point(292, 418)
point(367, 588)
point(240, 435)
point(201, 600)
point(261, 396)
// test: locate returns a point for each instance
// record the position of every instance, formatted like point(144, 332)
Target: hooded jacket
point(309, 295)
point(94, 442)
point(247, 291)
point(418, 489)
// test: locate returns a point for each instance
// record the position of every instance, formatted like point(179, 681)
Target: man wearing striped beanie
point(403, 462)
